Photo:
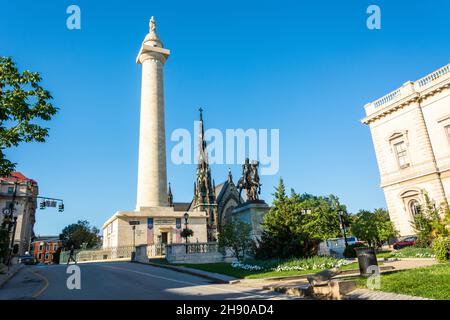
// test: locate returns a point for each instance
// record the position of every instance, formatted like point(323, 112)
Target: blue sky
point(302, 67)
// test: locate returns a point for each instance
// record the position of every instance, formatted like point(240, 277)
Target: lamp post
point(341, 219)
point(11, 220)
point(186, 217)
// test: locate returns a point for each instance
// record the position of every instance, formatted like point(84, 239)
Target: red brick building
point(45, 247)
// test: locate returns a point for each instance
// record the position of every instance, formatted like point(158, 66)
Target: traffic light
point(42, 205)
point(61, 207)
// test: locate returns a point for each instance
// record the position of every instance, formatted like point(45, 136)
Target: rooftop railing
point(409, 88)
point(429, 79)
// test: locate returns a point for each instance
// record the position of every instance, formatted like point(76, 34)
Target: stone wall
point(197, 253)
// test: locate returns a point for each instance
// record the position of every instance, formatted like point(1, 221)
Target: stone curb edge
point(9, 276)
point(188, 271)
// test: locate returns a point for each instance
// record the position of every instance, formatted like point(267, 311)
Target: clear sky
point(304, 67)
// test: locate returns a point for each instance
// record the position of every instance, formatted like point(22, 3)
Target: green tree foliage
point(23, 105)
point(80, 233)
point(297, 223)
point(431, 222)
point(235, 234)
point(373, 227)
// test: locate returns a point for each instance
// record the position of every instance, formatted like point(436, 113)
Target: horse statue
point(250, 180)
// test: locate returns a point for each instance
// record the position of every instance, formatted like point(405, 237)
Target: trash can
point(366, 258)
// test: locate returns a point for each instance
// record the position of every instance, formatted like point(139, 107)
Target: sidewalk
point(8, 275)
point(366, 294)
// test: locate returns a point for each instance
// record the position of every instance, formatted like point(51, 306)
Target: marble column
point(152, 173)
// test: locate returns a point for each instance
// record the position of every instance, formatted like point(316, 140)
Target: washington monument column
point(152, 175)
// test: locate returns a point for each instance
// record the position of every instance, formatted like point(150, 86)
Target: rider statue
point(250, 180)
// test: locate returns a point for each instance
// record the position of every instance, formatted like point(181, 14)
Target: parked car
point(405, 242)
point(27, 259)
point(352, 240)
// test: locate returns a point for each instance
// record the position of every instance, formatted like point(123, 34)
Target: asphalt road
point(121, 280)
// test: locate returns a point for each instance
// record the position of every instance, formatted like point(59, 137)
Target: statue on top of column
point(152, 25)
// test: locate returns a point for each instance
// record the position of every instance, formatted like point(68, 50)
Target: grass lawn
point(227, 269)
point(429, 282)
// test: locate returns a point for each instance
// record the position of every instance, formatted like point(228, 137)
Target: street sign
point(134, 222)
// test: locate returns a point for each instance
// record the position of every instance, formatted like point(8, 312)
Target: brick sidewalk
point(366, 294)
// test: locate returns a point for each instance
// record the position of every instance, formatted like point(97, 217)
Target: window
point(414, 207)
point(40, 247)
point(55, 247)
point(10, 190)
point(402, 154)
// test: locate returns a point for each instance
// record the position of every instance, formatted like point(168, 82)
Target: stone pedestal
point(252, 212)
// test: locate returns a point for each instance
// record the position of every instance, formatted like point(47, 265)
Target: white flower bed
point(314, 266)
point(248, 267)
point(299, 265)
point(408, 254)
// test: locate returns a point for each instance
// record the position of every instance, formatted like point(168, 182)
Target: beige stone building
point(19, 193)
point(410, 129)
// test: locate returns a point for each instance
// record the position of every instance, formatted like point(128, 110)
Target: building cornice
point(410, 92)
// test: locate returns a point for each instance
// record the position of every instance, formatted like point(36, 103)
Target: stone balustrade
point(207, 252)
point(408, 89)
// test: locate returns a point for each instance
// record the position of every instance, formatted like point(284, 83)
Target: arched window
point(414, 208)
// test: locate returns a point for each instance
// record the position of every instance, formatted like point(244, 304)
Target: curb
point(191, 272)
point(10, 275)
point(304, 276)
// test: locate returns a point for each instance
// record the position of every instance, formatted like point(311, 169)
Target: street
point(122, 280)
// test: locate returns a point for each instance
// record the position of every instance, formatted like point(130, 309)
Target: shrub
point(441, 248)
point(350, 252)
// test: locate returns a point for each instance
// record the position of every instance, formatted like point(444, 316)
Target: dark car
point(27, 260)
point(405, 242)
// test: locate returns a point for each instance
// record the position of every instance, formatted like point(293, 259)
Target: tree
point(235, 234)
point(80, 233)
point(373, 227)
point(297, 223)
point(431, 222)
point(322, 222)
point(23, 105)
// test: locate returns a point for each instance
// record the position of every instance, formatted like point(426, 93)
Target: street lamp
point(186, 217)
point(341, 219)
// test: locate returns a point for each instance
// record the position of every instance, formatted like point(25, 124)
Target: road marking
point(185, 282)
point(37, 294)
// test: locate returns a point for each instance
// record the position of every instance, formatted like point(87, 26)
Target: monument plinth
point(252, 212)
